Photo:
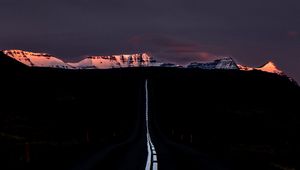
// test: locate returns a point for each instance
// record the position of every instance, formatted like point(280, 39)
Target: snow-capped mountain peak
point(270, 67)
point(116, 61)
point(226, 63)
point(36, 59)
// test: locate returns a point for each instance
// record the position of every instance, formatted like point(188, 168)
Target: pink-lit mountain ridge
point(33, 59)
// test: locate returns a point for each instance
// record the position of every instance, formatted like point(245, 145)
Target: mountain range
point(33, 59)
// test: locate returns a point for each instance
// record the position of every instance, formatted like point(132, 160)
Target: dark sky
point(251, 31)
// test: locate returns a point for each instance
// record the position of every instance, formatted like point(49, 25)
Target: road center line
point(152, 163)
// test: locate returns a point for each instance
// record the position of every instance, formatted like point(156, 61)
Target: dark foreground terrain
point(198, 119)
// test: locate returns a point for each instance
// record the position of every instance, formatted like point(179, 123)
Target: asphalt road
point(147, 149)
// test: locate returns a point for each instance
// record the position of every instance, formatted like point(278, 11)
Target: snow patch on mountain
point(245, 68)
point(36, 59)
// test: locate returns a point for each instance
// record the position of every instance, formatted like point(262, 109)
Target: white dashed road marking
point(152, 163)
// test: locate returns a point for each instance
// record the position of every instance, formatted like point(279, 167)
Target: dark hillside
point(244, 118)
